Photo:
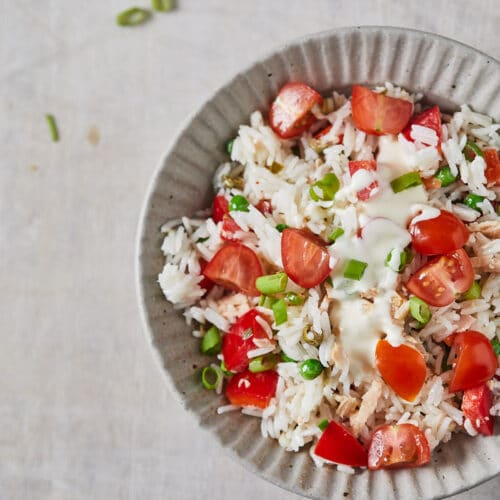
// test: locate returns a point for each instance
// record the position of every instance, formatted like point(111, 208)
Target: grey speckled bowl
point(449, 74)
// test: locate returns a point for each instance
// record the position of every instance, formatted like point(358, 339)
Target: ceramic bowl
point(448, 73)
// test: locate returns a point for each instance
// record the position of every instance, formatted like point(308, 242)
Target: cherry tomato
point(371, 165)
point(430, 118)
point(235, 267)
point(229, 228)
point(220, 207)
point(492, 171)
point(290, 113)
point(440, 279)
point(252, 389)
point(305, 257)
point(264, 207)
point(338, 445)
point(476, 361)
point(397, 447)
point(240, 339)
point(476, 405)
point(205, 282)
point(377, 113)
point(402, 368)
point(443, 234)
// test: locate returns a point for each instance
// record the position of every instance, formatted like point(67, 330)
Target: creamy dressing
point(424, 212)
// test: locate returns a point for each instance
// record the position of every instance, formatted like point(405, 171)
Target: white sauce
point(424, 212)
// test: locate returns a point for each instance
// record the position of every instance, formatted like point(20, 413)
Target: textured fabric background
point(85, 413)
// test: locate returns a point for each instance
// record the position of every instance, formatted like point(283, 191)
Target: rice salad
point(345, 283)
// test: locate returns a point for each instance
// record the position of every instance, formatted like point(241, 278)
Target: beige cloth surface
point(85, 413)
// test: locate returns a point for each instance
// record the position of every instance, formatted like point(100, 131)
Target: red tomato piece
point(397, 447)
point(264, 207)
point(377, 113)
point(402, 368)
point(476, 405)
point(240, 340)
point(430, 118)
point(235, 267)
point(476, 361)
point(431, 183)
point(371, 165)
point(492, 171)
point(323, 131)
point(229, 228)
point(252, 389)
point(338, 445)
point(220, 207)
point(440, 279)
point(443, 234)
point(205, 282)
point(290, 113)
point(305, 257)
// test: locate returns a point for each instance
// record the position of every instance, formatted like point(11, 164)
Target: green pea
point(310, 369)
point(238, 203)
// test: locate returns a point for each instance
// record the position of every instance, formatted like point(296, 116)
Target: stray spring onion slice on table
point(445, 176)
point(211, 377)
point(406, 181)
point(323, 424)
point(420, 310)
point(54, 133)
point(325, 188)
point(355, 269)
point(264, 363)
point(281, 227)
point(473, 293)
point(471, 149)
point(271, 283)
point(133, 16)
point(211, 342)
point(310, 369)
point(472, 200)
point(280, 312)
point(238, 203)
point(163, 5)
point(336, 233)
point(229, 147)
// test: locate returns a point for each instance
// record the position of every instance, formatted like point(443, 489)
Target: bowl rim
point(141, 228)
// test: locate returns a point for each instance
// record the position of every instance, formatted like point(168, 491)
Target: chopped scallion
point(224, 370)
point(472, 200)
point(287, 359)
point(238, 203)
point(211, 377)
point(420, 310)
point(406, 181)
point(355, 269)
point(471, 150)
point(325, 188)
point(281, 227)
point(280, 312)
point(405, 257)
point(211, 342)
point(293, 299)
point(323, 424)
point(264, 363)
point(266, 301)
point(473, 293)
point(445, 176)
point(54, 132)
point(272, 283)
point(495, 343)
point(133, 16)
point(336, 233)
point(229, 147)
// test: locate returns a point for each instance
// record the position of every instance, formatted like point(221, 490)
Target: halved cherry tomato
point(430, 118)
point(290, 113)
point(205, 282)
point(402, 368)
point(397, 447)
point(235, 267)
point(229, 228)
point(443, 234)
point(220, 207)
point(476, 361)
point(264, 207)
point(492, 171)
point(252, 389)
point(371, 165)
point(240, 339)
point(476, 405)
point(305, 257)
point(440, 279)
point(377, 113)
point(338, 445)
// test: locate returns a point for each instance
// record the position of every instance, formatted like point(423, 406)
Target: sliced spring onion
point(281, 227)
point(133, 16)
point(471, 149)
point(293, 299)
point(311, 337)
point(325, 188)
point(266, 301)
point(445, 176)
point(54, 132)
point(280, 312)
point(264, 363)
point(323, 424)
point(287, 359)
point(406, 181)
point(224, 370)
point(355, 269)
point(405, 257)
point(229, 147)
point(310, 369)
point(420, 310)
point(271, 283)
point(211, 342)
point(473, 293)
point(336, 233)
point(211, 377)
point(495, 343)
point(238, 203)
point(472, 200)
point(163, 5)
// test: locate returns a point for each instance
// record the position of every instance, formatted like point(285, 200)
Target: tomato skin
point(397, 447)
point(235, 267)
point(220, 207)
point(402, 368)
point(261, 388)
point(229, 228)
point(264, 207)
point(476, 361)
point(205, 282)
point(441, 278)
point(370, 165)
point(323, 131)
point(305, 257)
point(427, 235)
point(379, 114)
point(290, 112)
point(492, 171)
point(338, 445)
point(430, 118)
point(476, 405)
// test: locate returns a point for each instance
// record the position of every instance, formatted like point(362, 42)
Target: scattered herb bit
point(287, 359)
point(163, 5)
point(355, 269)
point(445, 176)
point(54, 132)
point(133, 16)
point(335, 234)
point(202, 240)
point(281, 227)
point(229, 147)
point(325, 188)
point(495, 343)
point(323, 424)
point(472, 200)
point(293, 299)
point(406, 181)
